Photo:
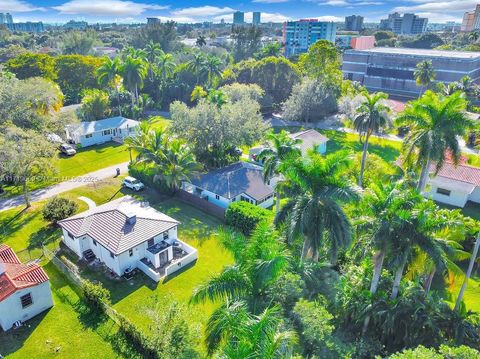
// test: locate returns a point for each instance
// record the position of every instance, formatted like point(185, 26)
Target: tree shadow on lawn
point(14, 223)
point(43, 236)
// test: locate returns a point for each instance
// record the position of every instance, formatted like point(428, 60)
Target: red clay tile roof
point(16, 275)
point(461, 172)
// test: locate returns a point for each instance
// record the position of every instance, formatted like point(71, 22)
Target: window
point(26, 300)
point(70, 236)
point(443, 191)
point(130, 252)
point(112, 255)
point(106, 132)
point(217, 196)
point(151, 242)
point(165, 235)
point(89, 135)
point(94, 242)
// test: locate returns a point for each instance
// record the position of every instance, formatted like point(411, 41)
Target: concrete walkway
point(91, 204)
point(75, 182)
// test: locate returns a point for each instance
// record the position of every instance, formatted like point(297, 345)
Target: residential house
point(240, 181)
point(126, 234)
point(310, 139)
point(24, 289)
point(454, 185)
point(89, 133)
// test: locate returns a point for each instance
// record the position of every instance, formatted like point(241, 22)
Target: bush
point(245, 216)
point(146, 175)
point(95, 294)
point(58, 208)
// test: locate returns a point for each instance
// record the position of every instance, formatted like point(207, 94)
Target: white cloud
point(18, 6)
point(330, 18)
point(346, 3)
point(440, 6)
point(270, 1)
point(265, 17)
point(202, 11)
point(106, 7)
point(179, 19)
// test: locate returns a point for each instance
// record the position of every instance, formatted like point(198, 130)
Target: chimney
point(131, 218)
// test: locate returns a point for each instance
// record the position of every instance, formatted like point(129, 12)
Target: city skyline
point(188, 11)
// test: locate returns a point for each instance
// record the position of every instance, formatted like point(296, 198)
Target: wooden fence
point(202, 204)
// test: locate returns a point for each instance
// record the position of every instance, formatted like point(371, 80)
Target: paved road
point(47, 192)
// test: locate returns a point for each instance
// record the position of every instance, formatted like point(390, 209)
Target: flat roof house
point(310, 139)
point(391, 69)
point(240, 181)
point(454, 185)
point(126, 234)
point(24, 289)
point(89, 133)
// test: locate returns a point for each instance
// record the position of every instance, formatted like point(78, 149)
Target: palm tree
point(201, 41)
point(243, 335)
point(468, 274)
point(130, 51)
point(148, 143)
point(217, 97)
point(165, 65)
point(134, 72)
point(108, 75)
point(435, 122)
point(213, 67)
point(178, 164)
point(198, 93)
point(281, 147)
point(424, 74)
point(371, 117)
point(197, 65)
point(152, 51)
point(467, 85)
point(474, 36)
point(314, 209)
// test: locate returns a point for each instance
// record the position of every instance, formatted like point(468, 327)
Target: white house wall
point(475, 195)
point(456, 198)
point(99, 138)
point(11, 308)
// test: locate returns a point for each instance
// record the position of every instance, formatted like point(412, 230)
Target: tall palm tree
point(109, 75)
point(280, 147)
point(197, 65)
point(314, 208)
point(201, 41)
point(372, 115)
point(178, 164)
point(473, 36)
point(242, 335)
point(435, 122)
point(152, 51)
point(424, 74)
point(149, 144)
point(165, 65)
point(213, 67)
point(133, 72)
point(468, 274)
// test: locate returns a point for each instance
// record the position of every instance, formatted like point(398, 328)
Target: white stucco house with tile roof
point(89, 133)
point(310, 139)
point(454, 185)
point(24, 289)
point(125, 234)
point(240, 181)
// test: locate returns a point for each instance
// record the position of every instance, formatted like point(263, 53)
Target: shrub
point(95, 294)
point(245, 216)
point(58, 208)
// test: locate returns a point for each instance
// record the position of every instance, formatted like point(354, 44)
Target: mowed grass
point(67, 330)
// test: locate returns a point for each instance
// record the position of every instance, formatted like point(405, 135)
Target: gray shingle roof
point(108, 225)
point(87, 127)
point(233, 180)
point(309, 139)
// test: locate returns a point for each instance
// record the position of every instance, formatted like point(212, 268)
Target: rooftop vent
point(131, 218)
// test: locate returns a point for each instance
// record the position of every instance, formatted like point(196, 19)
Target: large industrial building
point(391, 70)
point(408, 24)
point(298, 36)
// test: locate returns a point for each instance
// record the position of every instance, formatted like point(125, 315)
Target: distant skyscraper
point(256, 18)
point(300, 35)
point(471, 20)
point(409, 24)
point(2, 18)
point(153, 20)
point(8, 18)
point(354, 23)
point(238, 17)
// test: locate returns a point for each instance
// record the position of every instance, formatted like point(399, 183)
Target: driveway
point(51, 191)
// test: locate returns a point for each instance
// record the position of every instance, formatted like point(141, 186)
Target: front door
point(163, 258)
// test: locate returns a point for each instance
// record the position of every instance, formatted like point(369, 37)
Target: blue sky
point(215, 10)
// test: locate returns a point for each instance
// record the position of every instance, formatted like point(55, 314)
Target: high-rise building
point(2, 18)
point(408, 24)
point(298, 36)
point(8, 18)
point(76, 25)
point(26, 26)
point(238, 17)
point(471, 20)
point(354, 23)
point(256, 18)
point(153, 20)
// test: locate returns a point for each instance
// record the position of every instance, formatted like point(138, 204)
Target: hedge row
point(245, 216)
